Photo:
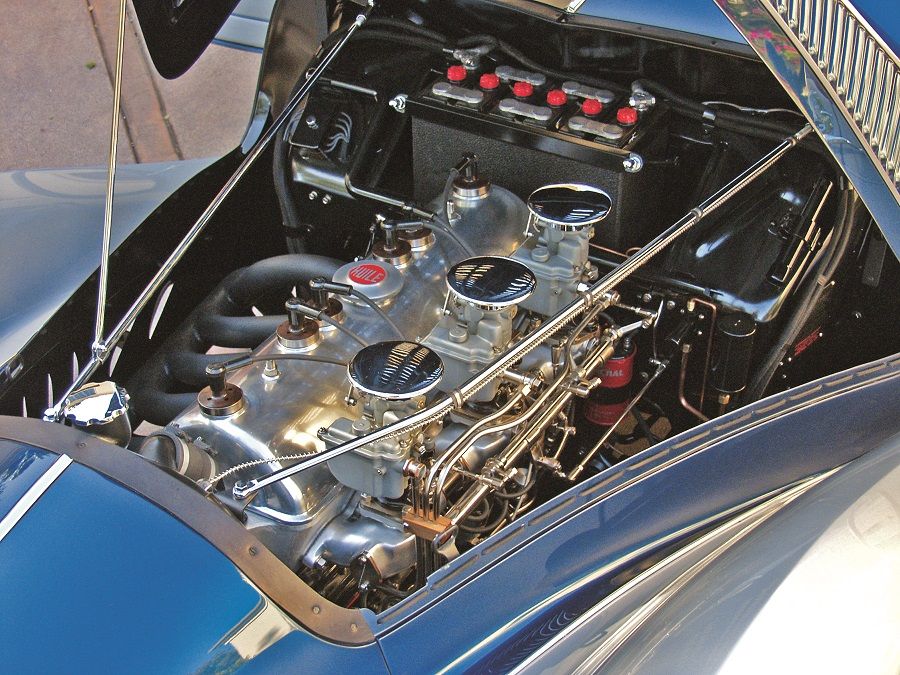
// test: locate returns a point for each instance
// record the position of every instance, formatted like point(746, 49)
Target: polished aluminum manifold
point(430, 308)
point(296, 408)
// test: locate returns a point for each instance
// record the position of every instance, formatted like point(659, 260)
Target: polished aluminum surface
point(95, 403)
point(591, 295)
point(395, 370)
point(569, 206)
point(379, 281)
point(282, 416)
point(491, 282)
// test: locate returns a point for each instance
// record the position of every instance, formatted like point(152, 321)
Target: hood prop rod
point(103, 275)
point(102, 348)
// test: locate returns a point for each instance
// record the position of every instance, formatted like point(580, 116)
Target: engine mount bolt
point(313, 195)
point(312, 122)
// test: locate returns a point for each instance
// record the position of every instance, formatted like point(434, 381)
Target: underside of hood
point(177, 31)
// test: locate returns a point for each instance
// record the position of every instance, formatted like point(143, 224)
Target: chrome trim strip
point(872, 69)
point(41, 485)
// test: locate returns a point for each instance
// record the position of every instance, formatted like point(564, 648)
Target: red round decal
point(367, 274)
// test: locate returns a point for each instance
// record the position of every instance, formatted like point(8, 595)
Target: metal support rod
point(551, 326)
point(682, 377)
point(103, 348)
point(103, 275)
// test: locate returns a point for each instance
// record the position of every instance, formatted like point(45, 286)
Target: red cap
point(457, 73)
point(591, 107)
point(556, 97)
point(627, 116)
point(489, 81)
point(522, 89)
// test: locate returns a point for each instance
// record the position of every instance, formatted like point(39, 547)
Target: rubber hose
point(725, 119)
point(521, 58)
point(397, 38)
point(400, 24)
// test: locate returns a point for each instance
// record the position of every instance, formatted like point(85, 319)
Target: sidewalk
point(56, 91)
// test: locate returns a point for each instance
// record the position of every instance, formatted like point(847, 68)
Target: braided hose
point(257, 462)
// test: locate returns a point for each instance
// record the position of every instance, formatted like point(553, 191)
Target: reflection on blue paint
point(96, 578)
point(20, 467)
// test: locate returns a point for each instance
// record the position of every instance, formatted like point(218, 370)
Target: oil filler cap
point(100, 408)
point(395, 370)
point(375, 279)
point(491, 282)
point(569, 207)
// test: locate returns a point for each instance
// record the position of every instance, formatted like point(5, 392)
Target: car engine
point(502, 278)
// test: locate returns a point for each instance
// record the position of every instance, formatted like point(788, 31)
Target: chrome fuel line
point(600, 294)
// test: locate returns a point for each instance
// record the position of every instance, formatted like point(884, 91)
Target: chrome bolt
point(398, 103)
point(633, 163)
point(312, 122)
point(326, 200)
point(313, 196)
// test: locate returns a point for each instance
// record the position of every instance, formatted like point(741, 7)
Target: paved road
point(56, 91)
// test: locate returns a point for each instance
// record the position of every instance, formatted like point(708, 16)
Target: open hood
point(839, 64)
point(177, 31)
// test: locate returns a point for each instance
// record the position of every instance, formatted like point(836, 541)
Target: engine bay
point(500, 277)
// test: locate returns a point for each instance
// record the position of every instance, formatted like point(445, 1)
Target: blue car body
point(175, 594)
point(150, 575)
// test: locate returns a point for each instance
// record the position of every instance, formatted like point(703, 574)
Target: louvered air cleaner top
point(491, 282)
point(395, 370)
point(569, 206)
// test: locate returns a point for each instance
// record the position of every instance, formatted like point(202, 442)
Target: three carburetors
point(428, 308)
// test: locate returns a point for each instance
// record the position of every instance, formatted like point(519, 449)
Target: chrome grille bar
point(857, 65)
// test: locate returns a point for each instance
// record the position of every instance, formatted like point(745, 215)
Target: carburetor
point(477, 325)
point(391, 380)
point(560, 227)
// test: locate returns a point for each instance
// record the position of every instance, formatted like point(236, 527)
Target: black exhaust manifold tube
point(158, 388)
